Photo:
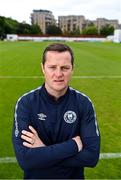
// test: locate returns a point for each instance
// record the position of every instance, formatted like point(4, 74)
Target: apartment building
point(71, 23)
point(101, 22)
point(43, 18)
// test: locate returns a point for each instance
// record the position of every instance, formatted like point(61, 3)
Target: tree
point(24, 29)
point(107, 30)
point(7, 26)
point(10, 26)
point(2, 22)
point(35, 29)
point(53, 30)
point(76, 32)
point(90, 30)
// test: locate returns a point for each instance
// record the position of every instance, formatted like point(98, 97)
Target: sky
point(21, 10)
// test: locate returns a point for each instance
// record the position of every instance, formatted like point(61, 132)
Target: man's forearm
point(87, 157)
point(45, 156)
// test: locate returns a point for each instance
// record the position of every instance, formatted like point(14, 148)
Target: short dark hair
point(58, 47)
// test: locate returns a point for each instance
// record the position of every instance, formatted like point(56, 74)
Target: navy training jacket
point(56, 122)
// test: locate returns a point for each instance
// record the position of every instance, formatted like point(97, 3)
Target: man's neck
point(54, 93)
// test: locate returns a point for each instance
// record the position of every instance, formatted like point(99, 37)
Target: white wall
point(12, 37)
point(117, 36)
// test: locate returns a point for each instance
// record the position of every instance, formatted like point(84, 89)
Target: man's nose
point(58, 72)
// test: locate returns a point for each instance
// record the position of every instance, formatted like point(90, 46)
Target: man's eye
point(52, 67)
point(65, 68)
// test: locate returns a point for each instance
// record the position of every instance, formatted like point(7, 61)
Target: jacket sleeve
point(40, 157)
point(90, 136)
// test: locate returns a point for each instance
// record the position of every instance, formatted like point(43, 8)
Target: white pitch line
point(102, 156)
point(74, 77)
point(8, 160)
point(21, 77)
point(110, 155)
point(96, 77)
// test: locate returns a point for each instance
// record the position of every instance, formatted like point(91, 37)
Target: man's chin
point(60, 88)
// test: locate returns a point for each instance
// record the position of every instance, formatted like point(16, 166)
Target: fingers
point(28, 139)
point(28, 145)
point(33, 130)
point(31, 139)
point(27, 133)
point(30, 134)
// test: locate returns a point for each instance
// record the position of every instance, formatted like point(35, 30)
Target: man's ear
point(42, 67)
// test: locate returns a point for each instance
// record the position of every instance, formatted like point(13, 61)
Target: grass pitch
point(98, 65)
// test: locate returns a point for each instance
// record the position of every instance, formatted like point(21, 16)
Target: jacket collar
point(52, 98)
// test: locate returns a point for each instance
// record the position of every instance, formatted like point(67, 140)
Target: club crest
point(70, 117)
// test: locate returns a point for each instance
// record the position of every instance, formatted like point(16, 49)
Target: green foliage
point(76, 32)
point(35, 29)
point(24, 29)
point(7, 26)
point(107, 30)
point(90, 30)
point(10, 26)
point(28, 29)
point(53, 30)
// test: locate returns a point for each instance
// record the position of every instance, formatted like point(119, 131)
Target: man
point(55, 132)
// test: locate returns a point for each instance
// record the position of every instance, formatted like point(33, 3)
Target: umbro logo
point(42, 117)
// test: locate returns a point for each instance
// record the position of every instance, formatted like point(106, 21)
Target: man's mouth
point(58, 81)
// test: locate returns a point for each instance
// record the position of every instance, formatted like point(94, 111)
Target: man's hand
point(78, 141)
point(32, 139)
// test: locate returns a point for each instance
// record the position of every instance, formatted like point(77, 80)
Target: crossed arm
point(32, 140)
point(75, 152)
point(85, 157)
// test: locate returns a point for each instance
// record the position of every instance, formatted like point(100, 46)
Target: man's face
point(57, 70)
